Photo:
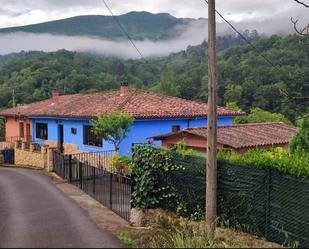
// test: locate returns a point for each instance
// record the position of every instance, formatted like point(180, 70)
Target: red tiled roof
point(245, 135)
point(138, 103)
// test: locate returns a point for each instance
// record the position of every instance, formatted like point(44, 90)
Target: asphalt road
point(35, 213)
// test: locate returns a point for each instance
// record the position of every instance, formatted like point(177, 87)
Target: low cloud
point(191, 34)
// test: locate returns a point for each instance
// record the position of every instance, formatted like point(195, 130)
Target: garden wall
point(27, 154)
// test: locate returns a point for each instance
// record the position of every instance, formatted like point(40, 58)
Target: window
point(41, 131)
point(21, 129)
point(74, 131)
point(175, 128)
point(90, 138)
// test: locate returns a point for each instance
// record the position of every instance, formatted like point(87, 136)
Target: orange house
point(17, 128)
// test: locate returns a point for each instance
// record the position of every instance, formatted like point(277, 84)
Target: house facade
point(238, 138)
point(65, 121)
point(17, 127)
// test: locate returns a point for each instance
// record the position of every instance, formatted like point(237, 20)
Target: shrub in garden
point(151, 177)
point(276, 159)
point(180, 148)
point(173, 182)
point(121, 164)
point(300, 143)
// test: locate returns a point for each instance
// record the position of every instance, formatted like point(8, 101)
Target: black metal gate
point(8, 155)
point(111, 189)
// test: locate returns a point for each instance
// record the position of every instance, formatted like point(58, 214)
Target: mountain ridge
point(140, 25)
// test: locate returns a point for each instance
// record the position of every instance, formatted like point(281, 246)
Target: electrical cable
point(244, 38)
point(123, 29)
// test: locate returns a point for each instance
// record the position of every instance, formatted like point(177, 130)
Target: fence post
point(93, 182)
point(111, 191)
point(267, 208)
point(80, 174)
point(70, 168)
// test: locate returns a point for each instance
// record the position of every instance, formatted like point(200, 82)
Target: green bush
point(125, 238)
point(276, 159)
point(300, 143)
point(171, 181)
point(121, 164)
point(151, 177)
point(180, 148)
point(257, 115)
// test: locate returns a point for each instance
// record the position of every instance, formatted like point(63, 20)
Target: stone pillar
point(23, 145)
point(50, 167)
point(43, 149)
point(44, 152)
point(31, 147)
point(16, 144)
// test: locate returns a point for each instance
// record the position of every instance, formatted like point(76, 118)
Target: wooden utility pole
point(13, 98)
point(211, 178)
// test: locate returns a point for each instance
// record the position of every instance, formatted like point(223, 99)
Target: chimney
point(124, 88)
point(55, 96)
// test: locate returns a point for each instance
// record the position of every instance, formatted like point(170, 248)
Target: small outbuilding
point(237, 137)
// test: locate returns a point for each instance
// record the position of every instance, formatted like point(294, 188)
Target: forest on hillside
point(244, 76)
point(140, 25)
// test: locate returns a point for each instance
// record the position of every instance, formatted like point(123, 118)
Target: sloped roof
point(138, 103)
point(245, 135)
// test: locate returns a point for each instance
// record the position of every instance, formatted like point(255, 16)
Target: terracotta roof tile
point(246, 135)
point(138, 103)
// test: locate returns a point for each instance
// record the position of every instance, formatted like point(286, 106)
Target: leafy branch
point(301, 31)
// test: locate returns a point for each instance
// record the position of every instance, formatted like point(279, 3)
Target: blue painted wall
point(140, 130)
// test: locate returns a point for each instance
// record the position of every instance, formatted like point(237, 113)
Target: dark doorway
point(28, 132)
point(60, 137)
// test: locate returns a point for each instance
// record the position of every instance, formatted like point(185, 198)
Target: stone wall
point(26, 156)
point(68, 148)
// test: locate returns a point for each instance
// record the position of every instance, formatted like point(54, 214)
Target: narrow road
point(35, 213)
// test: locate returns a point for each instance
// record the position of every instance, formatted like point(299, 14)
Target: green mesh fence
point(189, 185)
point(256, 200)
point(289, 210)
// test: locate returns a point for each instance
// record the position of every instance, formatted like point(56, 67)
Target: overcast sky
point(22, 12)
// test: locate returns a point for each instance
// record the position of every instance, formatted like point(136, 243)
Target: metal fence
point(102, 159)
point(111, 189)
point(257, 200)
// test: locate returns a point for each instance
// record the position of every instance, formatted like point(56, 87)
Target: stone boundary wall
point(68, 148)
point(27, 156)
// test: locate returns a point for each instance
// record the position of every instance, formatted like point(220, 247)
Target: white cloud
point(271, 17)
point(16, 42)
point(235, 10)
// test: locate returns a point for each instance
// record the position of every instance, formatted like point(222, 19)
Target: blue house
point(65, 121)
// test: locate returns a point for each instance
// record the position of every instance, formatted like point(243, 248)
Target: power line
point(302, 3)
point(244, 38)
point(122, 28)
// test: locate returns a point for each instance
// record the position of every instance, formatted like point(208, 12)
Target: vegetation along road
point(35, 213)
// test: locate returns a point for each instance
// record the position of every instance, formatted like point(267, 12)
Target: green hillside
point(244, 76)
point(140, 25)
